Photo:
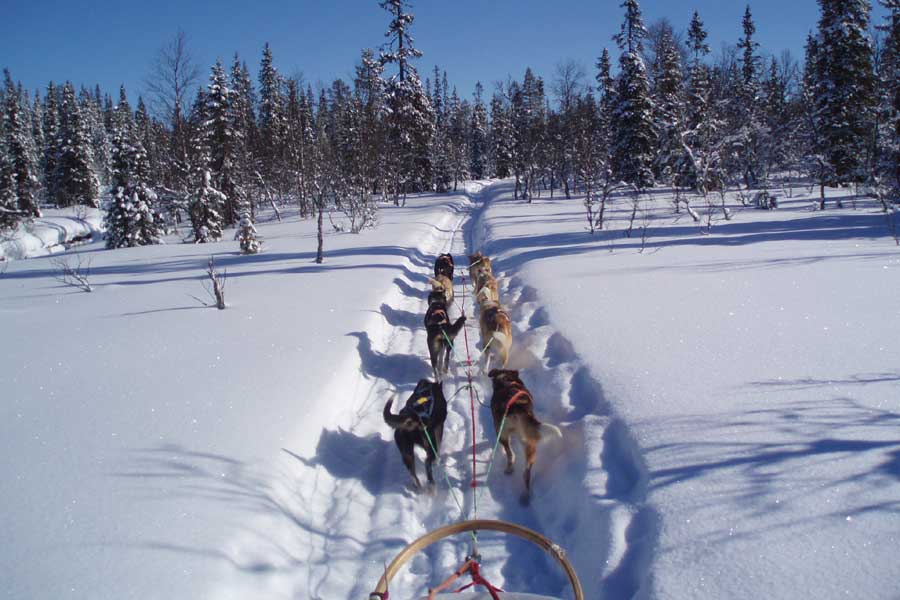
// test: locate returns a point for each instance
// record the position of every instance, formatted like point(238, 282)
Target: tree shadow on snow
point(774, 455)
point(175, 474)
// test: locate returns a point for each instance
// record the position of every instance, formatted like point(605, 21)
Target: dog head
point(444, 264)
point(504, 377)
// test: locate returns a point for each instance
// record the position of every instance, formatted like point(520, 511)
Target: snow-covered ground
point(729, 404)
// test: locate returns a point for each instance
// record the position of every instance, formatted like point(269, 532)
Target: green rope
point(440, 463)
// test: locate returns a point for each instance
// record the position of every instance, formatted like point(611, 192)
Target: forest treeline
point(668, 113)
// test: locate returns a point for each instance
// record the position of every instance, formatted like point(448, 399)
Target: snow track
point(340, 507)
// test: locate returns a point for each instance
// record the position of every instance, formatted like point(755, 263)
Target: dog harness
point(518, 398)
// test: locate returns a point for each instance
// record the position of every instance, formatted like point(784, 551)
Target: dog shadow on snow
point(400, 370)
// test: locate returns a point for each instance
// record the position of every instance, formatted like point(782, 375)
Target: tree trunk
point(320, 252)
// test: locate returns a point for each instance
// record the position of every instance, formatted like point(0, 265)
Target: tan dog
point(496, 334)
point(442, 283)
point(488, 291)
point(513, 401)
point(479, 266)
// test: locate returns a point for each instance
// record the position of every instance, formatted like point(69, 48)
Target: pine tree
point(845, 87)
point(669, 106)
point(206, 206)
point(634, 138)
point(410, 120)
point(246, 235)
point(75, 179)
point(890, 84)
point(746, 126)
point(51, 142)
point(479, 149)
point(19, 149)
point(501, 138)
point(130, 217)
point(271, 117)
point(223, 142)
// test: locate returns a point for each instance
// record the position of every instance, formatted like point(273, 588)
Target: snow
point(728, 404)
point(51, 233)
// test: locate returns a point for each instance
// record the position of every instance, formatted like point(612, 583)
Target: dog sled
point(471, 566)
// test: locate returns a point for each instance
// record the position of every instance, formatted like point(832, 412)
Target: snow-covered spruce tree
point(458, 117)
point(76, 183)
point(669, 106)
point(246, 235)
point(501, 138)
point(410, 115)
point(92, 119)
point(37, 137)
point(440, 144)
point(479, 149)
point(10, 215)
point(528, 114)
point(745, 126)
point(890, 83)
point(777, 115)
point(702, 140)
point(243, 124)
point(51, 142)
point(19, 149)
point(206, 207)
point(223, 142)
point(634, 137)
point(845, 90)
point(810, 136)
point(369, 92)
point(130, 216)
point(271, 119)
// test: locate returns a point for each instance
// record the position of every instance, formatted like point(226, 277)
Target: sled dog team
point(421, 421)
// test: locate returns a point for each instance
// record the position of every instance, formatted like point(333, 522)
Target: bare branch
point(172, 77)
point(75, 275)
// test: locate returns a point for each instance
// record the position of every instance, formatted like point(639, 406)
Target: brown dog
point(496, 334)
point(420, 423)
point(442, 283)
point(440, 334)
point(513, 401)
point(479, 266)
point(488, 291)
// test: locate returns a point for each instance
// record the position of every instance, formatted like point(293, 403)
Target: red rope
point(474, 482)
point(478, 579)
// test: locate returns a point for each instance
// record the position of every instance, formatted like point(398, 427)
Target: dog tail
point(454, 329)
point(393, 421)
point(547, 431)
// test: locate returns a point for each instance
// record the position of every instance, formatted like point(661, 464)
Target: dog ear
point(493, 373)
point(514, 374)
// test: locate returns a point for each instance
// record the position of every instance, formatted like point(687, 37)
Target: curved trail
point(336, 518)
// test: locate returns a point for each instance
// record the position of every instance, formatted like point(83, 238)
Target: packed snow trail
point(345, 509)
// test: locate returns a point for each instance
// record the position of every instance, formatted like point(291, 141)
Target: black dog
point(443, 265)
point(424, 413)
point(440, 333)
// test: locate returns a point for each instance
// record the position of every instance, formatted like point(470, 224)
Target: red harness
point(517, 398)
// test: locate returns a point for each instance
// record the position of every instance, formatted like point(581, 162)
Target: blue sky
point(112, 42)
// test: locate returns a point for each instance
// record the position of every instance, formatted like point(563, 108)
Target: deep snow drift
point(729, 403)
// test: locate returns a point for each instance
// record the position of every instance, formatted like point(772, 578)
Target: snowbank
point(54, 232)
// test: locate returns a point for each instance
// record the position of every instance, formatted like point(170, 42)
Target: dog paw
point(509, 470)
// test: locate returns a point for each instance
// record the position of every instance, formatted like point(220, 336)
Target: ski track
point(588, 488)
